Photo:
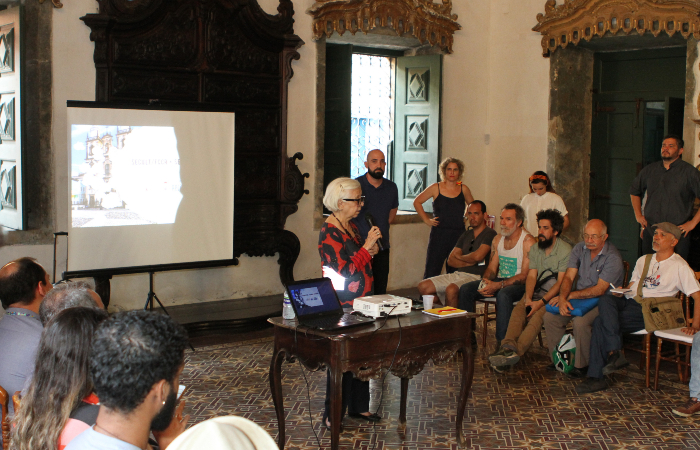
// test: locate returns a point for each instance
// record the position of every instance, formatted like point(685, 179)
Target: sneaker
point(590, 385)
point(504, 357)
point(616, 362)
point(577, 373)
point(500, 369)
point(687, 410)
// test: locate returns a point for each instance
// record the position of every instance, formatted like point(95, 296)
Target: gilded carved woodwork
point(427, 21)
point(575, 20)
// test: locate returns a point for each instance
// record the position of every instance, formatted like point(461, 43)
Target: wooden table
point(367, 351)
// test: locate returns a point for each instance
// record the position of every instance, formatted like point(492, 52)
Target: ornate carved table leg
point(336, 396)
point(402, 409)
point(276, 389)
point(467, 376)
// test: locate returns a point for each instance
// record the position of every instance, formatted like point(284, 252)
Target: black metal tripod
point(152, 296)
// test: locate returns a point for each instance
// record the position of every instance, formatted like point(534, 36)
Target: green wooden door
point(638, 97)
point(417, 126)
point(617, 138)
point(338, 114)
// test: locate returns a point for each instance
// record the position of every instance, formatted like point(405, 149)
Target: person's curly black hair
point(131, 352)
point(555, 219)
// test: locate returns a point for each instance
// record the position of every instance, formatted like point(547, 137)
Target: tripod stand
point(152, 296)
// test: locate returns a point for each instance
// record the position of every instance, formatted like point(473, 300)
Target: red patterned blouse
point(343, 256)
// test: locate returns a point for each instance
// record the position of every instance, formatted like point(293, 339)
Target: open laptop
point(317, 306)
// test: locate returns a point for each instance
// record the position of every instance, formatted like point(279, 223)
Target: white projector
point(382, 305)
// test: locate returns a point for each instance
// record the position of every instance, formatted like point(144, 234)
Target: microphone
point(370, 220)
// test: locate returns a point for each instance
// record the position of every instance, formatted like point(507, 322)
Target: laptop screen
point(313, 297)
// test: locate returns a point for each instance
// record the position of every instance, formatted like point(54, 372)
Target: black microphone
point(370, 220)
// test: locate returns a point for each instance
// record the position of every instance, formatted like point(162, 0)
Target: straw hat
point(228, 432)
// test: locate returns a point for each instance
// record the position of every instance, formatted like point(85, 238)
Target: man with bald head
point(382, 202)
point(23, 285)
point(597, 264)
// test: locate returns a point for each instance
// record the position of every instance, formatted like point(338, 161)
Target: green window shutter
point(417, 126)
point(336, 152)
point(11, 213)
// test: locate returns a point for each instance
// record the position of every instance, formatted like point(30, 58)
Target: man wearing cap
point(671, 186)
point(668, 273)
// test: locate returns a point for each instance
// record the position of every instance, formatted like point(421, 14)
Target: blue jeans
point(505, 298)
point(617, 315)
point(694, 385)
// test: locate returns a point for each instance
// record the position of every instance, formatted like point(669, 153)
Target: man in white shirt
point(668, 273)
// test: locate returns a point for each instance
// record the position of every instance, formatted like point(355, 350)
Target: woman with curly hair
point(59, 403)
point(450, 199)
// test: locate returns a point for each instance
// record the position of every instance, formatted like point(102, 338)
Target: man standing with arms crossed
point(382, 201)
point(671, 186)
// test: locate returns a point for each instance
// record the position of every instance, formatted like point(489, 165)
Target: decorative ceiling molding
point(427, 21)
point(574, 20)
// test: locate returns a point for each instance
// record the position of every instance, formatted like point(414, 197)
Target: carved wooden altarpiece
point(574, 20)
point(225, 55)
point(423, 19)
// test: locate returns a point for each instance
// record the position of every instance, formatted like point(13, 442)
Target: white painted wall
point(495, 83)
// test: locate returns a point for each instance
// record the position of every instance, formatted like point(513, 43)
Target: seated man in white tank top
point(505, 276)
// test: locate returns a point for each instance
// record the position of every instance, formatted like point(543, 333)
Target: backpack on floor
point(564, 356)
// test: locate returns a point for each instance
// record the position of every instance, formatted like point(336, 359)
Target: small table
point(367, 351)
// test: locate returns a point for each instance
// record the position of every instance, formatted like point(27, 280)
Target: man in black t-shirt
point(470, 257)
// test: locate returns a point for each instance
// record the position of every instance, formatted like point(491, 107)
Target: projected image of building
point(93, 187)
point(124, 175)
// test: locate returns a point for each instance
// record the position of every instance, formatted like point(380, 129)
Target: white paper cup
point(428, 301)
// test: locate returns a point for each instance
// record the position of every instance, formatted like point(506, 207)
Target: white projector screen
point(149, 187)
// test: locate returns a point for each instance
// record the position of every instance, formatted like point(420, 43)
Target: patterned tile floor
point(527, 407)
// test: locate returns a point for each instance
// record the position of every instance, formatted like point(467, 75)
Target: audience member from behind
point(450, 196)
point(594, 264)
point(60, 403)
point(23, 285)
point(135, 365)
point(225, 433)
point(542, 196)
point(470, 257)
point(68, 295)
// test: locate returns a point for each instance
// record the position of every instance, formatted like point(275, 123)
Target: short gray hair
point(519, 212)
point(336, 191)
point(64, 296)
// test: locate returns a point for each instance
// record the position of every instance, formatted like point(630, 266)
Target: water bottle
point(287, 310)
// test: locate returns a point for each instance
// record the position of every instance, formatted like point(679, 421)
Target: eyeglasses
point(358, 200)
point(471, 246)
point(593, 236)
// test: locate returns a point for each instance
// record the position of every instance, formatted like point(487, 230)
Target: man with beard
point(504, 278)
point(666, 274)
point(597, 263)
point(470, 257)
point(671, 186)
point(548, 262)
point(382, 201)
point(135, 364)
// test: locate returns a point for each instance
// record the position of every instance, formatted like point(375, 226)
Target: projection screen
point(149, 187)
